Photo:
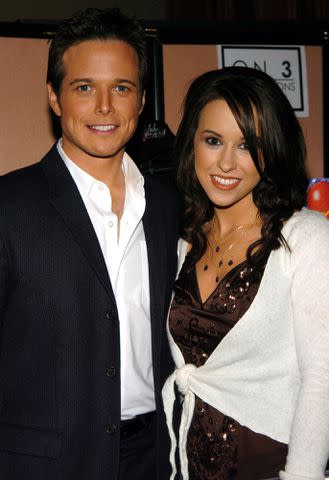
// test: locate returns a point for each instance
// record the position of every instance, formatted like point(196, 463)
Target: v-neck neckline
point(198, 292)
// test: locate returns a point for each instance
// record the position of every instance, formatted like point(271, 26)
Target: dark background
point(181, 10)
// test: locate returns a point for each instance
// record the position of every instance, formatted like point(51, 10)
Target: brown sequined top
point(218, 447)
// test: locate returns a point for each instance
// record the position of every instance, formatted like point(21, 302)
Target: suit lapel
point(66, 198)
point(157, 254)
point(156, 247)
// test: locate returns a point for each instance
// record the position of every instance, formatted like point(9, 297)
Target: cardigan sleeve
point(309, 436)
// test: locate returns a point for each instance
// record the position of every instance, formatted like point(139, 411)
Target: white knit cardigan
point(271, 371)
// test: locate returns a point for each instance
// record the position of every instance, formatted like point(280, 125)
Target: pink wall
point(25, 128)
point(182, 63)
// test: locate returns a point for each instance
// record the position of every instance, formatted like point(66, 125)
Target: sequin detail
point(213, 438)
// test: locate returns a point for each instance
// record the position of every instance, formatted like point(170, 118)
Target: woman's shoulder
point(183, 248)
point(306, 229)
point(306, 225)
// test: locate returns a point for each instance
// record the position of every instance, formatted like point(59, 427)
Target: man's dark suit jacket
point(59, 351)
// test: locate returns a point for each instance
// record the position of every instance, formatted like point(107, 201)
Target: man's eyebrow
point(90, 80)
point(126, 80)
point(81, 80)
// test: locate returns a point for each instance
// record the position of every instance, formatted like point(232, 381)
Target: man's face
point(100, 100)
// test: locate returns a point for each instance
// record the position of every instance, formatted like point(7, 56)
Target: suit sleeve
point(309, 438)
point(4, 277)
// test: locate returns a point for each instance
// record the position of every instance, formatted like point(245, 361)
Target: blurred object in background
point(152, 144)
point(152, 147)
point(318, 195)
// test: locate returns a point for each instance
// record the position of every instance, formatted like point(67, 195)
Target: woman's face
point(223, 163)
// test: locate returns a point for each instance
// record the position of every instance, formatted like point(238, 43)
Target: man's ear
point(142, 103)
point(53, 100)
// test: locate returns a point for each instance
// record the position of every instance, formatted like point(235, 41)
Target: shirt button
point(100, 187)
point(111, 372)
point(111, 429)
point(110, 224)
point(109, 315)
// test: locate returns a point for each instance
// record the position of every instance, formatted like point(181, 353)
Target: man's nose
point(104, 102)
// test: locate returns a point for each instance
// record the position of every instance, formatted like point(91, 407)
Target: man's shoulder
point(162, 188)
point(20, 173)
point(17, 182)
point(26, 180)
point(163, 203)
point(29, 170)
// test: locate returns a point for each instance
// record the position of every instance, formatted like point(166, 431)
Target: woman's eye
point(244, 146)
point(213, 141)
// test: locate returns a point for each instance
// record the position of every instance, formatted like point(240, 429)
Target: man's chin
point(104, 154)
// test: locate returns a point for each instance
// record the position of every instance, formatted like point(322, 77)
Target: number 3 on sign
point(287, 70)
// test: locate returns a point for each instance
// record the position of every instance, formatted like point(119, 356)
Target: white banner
point(287, 65)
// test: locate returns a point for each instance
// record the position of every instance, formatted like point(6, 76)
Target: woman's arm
point(309, 438)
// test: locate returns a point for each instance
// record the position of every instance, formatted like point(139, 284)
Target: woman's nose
point(226, 160)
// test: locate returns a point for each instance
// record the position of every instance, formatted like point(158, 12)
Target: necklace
point(223, 257)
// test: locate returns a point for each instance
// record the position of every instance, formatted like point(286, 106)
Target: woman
point(249, 322)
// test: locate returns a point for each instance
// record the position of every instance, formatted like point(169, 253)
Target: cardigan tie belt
point(181, 377)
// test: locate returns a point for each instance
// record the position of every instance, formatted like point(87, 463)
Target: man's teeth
point(225, 181)
point(102, 128)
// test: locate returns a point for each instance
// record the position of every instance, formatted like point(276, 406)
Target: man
point(88, 256)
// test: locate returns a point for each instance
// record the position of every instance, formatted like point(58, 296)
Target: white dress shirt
point(127, 264)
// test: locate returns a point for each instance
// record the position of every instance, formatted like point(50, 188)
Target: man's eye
point(84, 88)
point(122, 88)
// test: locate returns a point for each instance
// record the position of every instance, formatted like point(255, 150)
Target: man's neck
point(106, 170)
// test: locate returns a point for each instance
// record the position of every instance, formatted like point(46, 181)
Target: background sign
point(287, 65)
